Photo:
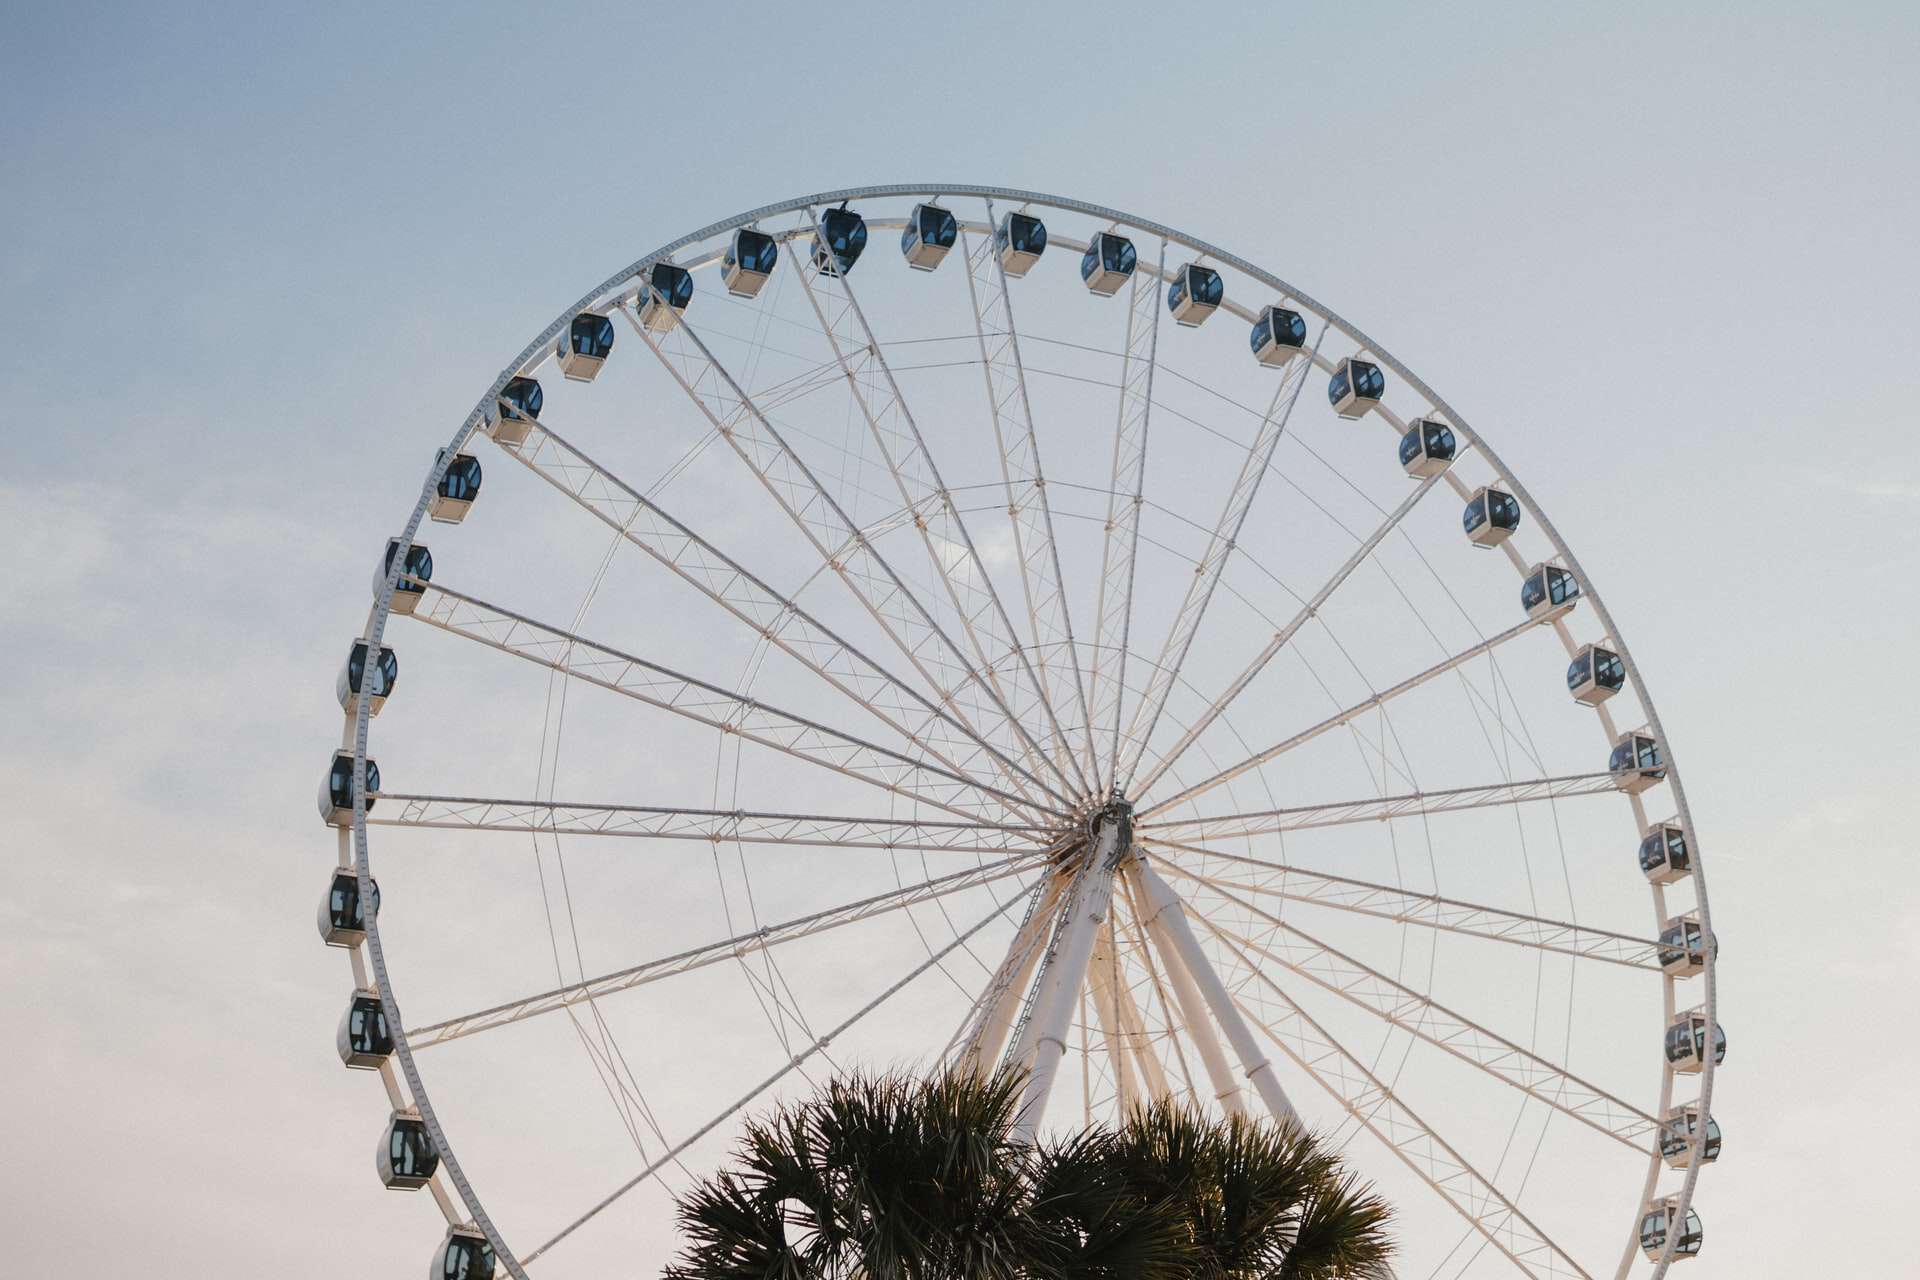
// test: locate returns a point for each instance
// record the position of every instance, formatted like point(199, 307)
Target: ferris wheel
point(954, 660)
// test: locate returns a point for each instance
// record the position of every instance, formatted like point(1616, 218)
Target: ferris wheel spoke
point(1372, 1103)
point(785, 1069)
point(1150, 1063)
point(1426, 1019)
point(708, 704)
point(1334, 721)
point(1284, 636)
point(724, 950)
point(983, 1031)
point(1380, 808)
point(661, 822)
point(1113, 612)
point(1011, 409)
point(954, 558)
point(1361, 897)
point(1213, 561)
point(747, 597)
point(834, 535)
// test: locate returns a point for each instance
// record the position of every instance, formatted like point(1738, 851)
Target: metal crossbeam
point(1426, 1019)
point(464, 813)
point(950, 548)
point(840, 543)
point(1280, 640)
point(1339, 718)
point(1429, 911)
point(708, 704)
point(1380, 808)
point(1114, 612)
point(767, 611)
point(1370, 1101)
point(1055, 654)
point(1213, 561)
point(715, 952)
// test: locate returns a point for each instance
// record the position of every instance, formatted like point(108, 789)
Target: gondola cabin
point(845, 237)
point(364, 1040)
point(1547, 592)
point(748, 263)
point(459, 486)
point(1195, 294)
point(406, 1158)
point(342, 921)
point(1020, 241)
point(1428, 448)
point(1595, 674)
point(418, 565)
point(1277, 336)
point(465, 1254)
point(585, 346)
point(516, 412)
point(1683, 948)
point(1686, 1042)
point(386, 673)
point(1356, 386)
point(1663, 853)
point(669, 290)
point(1659, 1220)
point(1637, 762)
point(1680, 1133)
point(929, 234)
point(336, 790)
point(1490, 517)
point(1108, 263)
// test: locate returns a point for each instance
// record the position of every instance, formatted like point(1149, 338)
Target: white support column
point(1044, 1042)
point(1189, 967)
point(1107, 1009)
point(982, 1049)
point(1193, 1009)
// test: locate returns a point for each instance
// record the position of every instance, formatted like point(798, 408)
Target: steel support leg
point(1195, 981)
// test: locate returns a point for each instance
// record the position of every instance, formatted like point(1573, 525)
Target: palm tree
point(892, 1178)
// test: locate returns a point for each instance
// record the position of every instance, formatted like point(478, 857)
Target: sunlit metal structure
point(1041, 718)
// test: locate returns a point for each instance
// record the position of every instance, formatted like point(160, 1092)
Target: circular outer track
point(462, 1204)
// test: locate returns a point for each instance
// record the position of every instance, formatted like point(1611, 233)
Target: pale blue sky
point(255, 264)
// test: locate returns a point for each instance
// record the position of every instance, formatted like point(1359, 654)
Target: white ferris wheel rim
point(465, 1206)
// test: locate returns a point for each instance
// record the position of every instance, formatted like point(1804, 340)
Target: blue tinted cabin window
point(1652, 852)
point(1176, 291)
point(1439, 439)
point(467, 1258)
point(1366, 379)
point(1622, 757)
point(1208, 288)
point(1337, 386)
point(1532, 591)
point(673, 284)
point(1579, 670)
point(1090, 262)
point(1608, 669)
point(1023, 233)
point(1262, 329)
point(1117, 254)
point(944, 230)
point(1679, 1043)
point(1503, 509)
point(1475, 515)
point(846, 233)
point(419, 564)
point(340, 781)
point(753, 251)
point(591, 335)
point(367, 1027)
point(462, 478)
point(1409, 450)
point(410, 1151)
point(522, 397)
point(1562, 585)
